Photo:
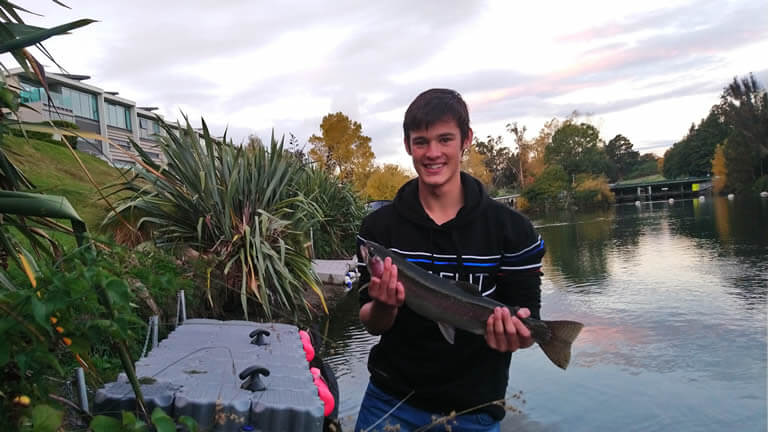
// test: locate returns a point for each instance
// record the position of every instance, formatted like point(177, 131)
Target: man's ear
point(407, 146)
point(468, 142)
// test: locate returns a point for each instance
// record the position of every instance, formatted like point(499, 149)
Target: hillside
point(53, 170)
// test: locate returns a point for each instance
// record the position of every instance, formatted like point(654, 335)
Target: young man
point(445, 222)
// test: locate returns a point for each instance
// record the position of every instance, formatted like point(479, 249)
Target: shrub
point(54, 321)
point(592, 191)
point(72, 140)
point(334, 235)
point(548, 188)
point(761, 184)
point(241, 210)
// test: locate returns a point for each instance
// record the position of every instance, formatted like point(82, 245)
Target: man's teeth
point(434, 166)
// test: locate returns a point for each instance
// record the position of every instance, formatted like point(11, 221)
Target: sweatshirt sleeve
point(520, 270)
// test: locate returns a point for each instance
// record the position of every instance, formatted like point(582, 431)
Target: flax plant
point(334, 235)
point(238, 208)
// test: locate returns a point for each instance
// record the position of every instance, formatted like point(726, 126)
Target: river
point(673, 298)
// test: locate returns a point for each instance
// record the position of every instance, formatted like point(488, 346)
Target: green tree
point(692, 155)
point(744, 104)
point(341, 149)
point(499, 161)
point(576, 148)
point(622, 157)
point(647, 164)
point(548, 188)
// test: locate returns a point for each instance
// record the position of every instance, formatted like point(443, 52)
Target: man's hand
point(385, 289)
point(387, 295)
point(505, 332)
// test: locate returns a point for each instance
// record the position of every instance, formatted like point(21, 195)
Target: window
point(31, 93)
point(118, 116)
point(143, 123)
point(122, 143)
point(153, 155)
point(82, 104)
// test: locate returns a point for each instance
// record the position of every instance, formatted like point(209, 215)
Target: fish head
point(373, 257)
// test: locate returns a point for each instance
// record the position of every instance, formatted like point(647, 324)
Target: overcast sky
point(644, 69)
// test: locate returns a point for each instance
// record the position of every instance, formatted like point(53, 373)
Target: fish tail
point(558, 347)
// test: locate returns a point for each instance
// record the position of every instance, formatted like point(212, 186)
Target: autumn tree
point(523, 149)
point(473, 163)
point(537, 163)
point(342, 149)
point(384, 181)
point(719, 169)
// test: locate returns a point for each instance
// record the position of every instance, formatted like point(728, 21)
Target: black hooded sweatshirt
point(487, 244)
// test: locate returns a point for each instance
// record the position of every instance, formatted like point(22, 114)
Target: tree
point(647, 164)
point(537, 163)
point(499, 161)
point(523, 148)
point(744, 106)
point(575, 147)
point(384, 181)
point(620, 153)
point(548, 188)
point(473, 162)
point(692, 156)
point(719, 169)
point(342, 149)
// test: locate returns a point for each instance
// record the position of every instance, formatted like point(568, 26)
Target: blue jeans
point(376, 404)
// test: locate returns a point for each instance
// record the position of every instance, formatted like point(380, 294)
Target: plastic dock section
point(227, 375)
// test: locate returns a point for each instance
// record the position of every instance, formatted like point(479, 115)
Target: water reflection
point(673, 297)
point(579, 254)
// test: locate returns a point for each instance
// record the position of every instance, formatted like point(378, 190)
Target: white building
point(93, 110)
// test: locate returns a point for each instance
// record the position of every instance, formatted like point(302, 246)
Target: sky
point(646, 70)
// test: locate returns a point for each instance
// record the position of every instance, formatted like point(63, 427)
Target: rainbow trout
point(457, 304)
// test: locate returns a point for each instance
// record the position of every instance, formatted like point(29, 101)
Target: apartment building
point(92, 109)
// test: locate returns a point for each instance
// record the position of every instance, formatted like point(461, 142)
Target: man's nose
point(433, 149)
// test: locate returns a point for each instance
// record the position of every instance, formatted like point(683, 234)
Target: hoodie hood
point(408, 205)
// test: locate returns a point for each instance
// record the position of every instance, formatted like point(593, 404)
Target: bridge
point(661, 189)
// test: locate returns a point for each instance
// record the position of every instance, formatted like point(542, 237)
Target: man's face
point(436, 152)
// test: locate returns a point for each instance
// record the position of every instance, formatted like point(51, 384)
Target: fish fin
point(448, 331)
point(558, 347)
point(468, 288)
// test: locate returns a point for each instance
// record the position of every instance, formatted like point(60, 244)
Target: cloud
point(286, 65)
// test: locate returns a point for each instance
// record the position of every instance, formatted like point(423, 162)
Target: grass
point(646, 179)
point(53, 170)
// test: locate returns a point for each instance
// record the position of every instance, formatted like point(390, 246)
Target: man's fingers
point(510, 334)
point(385, 275)
point(499, 333)
point(400, 294)
point(520, 328)
point(490, 337)
point(392, 287)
